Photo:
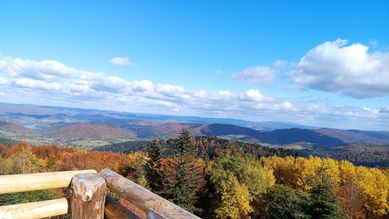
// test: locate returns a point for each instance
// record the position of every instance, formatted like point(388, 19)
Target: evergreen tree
point(185, 175)
point(153, 173)
point(284, 202)
point(183, 144)
point(323, 204)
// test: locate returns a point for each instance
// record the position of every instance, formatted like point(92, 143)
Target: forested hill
point(209, 147)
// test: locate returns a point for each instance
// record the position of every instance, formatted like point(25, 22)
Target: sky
point(317, 63)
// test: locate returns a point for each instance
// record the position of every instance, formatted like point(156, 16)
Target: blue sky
point(322, 63)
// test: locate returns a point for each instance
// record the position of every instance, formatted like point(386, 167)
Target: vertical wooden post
point(88, 196)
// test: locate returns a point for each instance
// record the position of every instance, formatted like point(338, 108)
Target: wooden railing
point(86, 197)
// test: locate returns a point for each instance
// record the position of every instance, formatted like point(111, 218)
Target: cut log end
point(88, 196)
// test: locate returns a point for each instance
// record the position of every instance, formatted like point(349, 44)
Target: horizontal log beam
point(34, 210)
point(143, 198)
point(37, 181)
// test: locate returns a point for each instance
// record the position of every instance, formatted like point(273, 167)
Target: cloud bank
point(349, 69)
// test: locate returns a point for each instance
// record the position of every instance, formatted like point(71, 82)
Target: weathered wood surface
point(154, 215)
point(131, 207)
point(114, 210)
point(88, 196)
point(141, 197)
point(37, 181)
point(42, 209)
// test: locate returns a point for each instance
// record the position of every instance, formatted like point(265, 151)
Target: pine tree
point(153, 173)
point(284, 202)
point(183, 145)
point(185, 175)
point(323, 204)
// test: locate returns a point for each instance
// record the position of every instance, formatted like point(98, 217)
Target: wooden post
point(88, 196)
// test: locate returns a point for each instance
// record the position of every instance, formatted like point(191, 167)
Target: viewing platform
point(85, 196)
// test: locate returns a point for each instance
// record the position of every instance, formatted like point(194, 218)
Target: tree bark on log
point(88, 196)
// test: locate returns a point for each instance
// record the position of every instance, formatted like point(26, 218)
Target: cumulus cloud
point(121, 61)
point(340, 67)
point(224, 94)
point(257, 75)
point(252, 95)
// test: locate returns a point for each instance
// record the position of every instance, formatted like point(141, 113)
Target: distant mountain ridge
point(60, 124)
point(102, 115)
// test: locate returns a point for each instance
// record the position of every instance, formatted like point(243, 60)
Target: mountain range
point(90, 128)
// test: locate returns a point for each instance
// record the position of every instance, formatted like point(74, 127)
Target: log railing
point(86, 196)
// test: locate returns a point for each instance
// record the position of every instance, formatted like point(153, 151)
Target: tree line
point(216, 178)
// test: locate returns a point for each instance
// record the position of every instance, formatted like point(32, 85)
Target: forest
point(216, 178)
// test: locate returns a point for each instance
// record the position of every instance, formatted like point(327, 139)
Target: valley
point(94, 129)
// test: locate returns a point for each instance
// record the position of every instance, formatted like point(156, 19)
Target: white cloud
point(224, 94)
point(200, 94)
point(287, 105)
point(170, 90)
point(252, 95)
point(348, 69)
point(121, 61)
point(3, 81)
point(257, 75)
point(142, 86)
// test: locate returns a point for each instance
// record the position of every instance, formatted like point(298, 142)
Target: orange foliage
point(69, 158)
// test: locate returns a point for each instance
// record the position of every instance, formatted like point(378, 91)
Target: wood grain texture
point(154, 215)
point(37, 181)
point(88, 196)
point(141, 197)
point(114, 210)
point(34, 210)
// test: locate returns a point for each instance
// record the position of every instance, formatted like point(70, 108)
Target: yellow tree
point(374, 186)
point(235, 199)
point(249, 174)
point(284, 169)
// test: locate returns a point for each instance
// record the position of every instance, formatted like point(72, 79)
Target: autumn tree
point(374, 187)
point(136, 167)
point(24, 161)
point(249, 174)
point(349, 193)
point(235, 199)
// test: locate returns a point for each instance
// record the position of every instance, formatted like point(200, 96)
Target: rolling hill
point(64, 125)
point(89, 131)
